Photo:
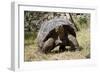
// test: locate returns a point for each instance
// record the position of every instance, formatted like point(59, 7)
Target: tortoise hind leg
point(48, 45)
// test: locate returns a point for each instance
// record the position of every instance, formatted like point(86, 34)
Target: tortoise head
point(60, 31)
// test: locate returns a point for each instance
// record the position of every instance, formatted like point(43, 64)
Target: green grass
point(31, 50)
point(29, 38)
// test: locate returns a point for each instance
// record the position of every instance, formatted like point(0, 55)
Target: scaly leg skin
point(73, 43)
point(48, 46)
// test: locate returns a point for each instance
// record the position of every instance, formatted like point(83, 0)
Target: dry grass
point(31, 50)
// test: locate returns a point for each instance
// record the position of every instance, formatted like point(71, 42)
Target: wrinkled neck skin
point(60, 32)
point(61, 38)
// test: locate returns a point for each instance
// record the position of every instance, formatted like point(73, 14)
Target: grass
point(83, 38)
point(31, 50)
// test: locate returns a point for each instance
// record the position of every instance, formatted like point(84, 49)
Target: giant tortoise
point(57, 32)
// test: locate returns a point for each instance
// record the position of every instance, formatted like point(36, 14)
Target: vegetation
point(32, 23)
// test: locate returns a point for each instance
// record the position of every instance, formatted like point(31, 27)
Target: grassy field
point(31, 50)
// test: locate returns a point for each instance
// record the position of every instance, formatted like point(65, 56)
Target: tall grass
point(83, 38)
point(29, 37)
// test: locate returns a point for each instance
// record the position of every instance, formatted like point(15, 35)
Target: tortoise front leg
point(73, 43)
point(48, 45)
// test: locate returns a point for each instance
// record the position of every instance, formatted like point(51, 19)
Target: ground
point(31, 50)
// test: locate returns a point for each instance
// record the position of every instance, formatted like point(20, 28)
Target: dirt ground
point(34, 55)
